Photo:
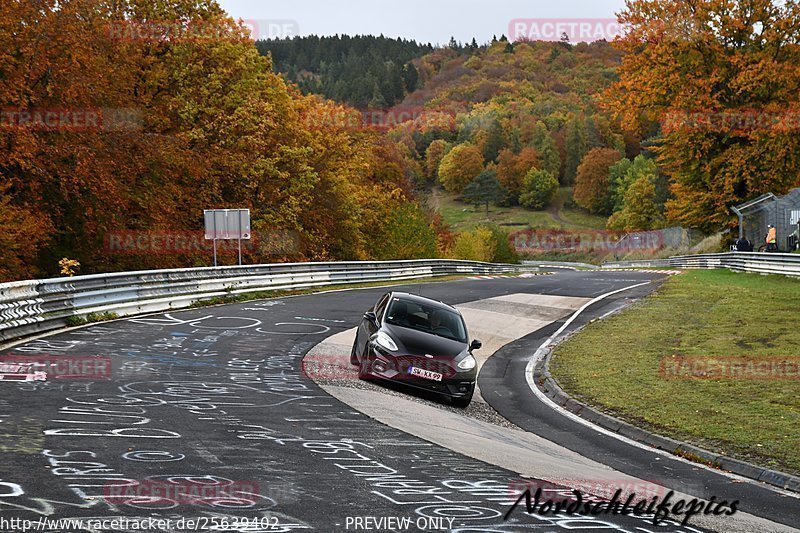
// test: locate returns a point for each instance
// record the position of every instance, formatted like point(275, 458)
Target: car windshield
point(429, 319)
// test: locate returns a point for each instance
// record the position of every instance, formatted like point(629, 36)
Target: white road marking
point(537, 356)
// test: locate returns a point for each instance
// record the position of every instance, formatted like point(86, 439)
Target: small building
point(783, 212)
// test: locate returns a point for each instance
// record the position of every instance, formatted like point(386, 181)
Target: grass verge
point(616, 365)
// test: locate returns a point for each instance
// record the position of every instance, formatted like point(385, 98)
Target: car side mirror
point(476, 345)
point(371, 317)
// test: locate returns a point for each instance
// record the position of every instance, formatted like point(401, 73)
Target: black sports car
point(419, 342)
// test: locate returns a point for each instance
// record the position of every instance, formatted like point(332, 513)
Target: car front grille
point(437, 365)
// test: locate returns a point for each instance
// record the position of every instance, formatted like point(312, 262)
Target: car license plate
point(426, 374)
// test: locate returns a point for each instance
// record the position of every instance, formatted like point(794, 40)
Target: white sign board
point(227, 224)
point(795, 218)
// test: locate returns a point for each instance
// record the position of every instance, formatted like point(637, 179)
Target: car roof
point(422, 300)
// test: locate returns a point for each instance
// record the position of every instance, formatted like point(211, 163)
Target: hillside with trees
point(646, 131)
point(203, 122)
point(363, 71)
point(621, 127)
point(671, 124)
point(526, 113)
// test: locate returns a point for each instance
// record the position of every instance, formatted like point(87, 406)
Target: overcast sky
point(431, 21)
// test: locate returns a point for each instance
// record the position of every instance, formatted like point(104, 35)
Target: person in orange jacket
point(772, 239)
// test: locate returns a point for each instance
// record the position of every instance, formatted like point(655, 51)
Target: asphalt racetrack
point(216, 398)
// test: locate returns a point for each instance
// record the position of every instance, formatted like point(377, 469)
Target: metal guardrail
point(36, 306)
point(560, 264)
point(760, 263)
point(644, 263)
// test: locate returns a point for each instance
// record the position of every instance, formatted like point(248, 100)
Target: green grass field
point(579, 218)
point(615, 364)
point(464, 217)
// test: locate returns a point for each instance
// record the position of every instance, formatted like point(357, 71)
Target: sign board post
point(227, 224)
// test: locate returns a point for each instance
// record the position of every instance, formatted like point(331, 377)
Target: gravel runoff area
point(328, 364)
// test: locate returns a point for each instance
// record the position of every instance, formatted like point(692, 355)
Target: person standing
point(743, 245)
point(772, 239)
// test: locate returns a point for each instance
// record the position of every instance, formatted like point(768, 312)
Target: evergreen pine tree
point(546, 146)
point(484, 189)
point(575, 145)
point(377, 101)
point(410, 77)
point(396, 84)
point(495, 141)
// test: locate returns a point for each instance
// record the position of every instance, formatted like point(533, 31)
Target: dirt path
point(555, 211)
point(435, 200)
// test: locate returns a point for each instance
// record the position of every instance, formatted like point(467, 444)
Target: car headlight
point(385, 341)
point(468, 363)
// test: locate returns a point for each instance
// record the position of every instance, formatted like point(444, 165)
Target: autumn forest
point(126, 118)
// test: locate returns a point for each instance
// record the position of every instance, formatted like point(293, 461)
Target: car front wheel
point(363, 368)
point(353, 356)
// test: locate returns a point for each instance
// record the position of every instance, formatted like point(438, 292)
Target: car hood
point(413, 342)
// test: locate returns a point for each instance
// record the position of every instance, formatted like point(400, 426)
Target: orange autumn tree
point(22, 233)
point(592, 187)
point(512, 168)
point(201, 122)
point(459, 167)
point(718, 81)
